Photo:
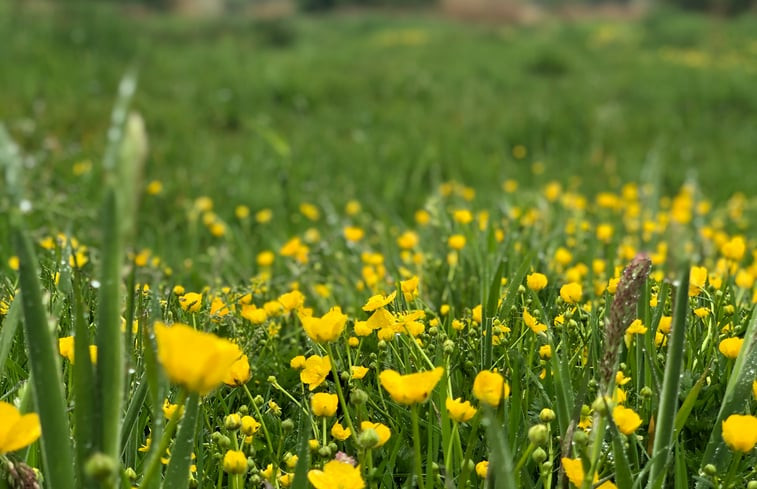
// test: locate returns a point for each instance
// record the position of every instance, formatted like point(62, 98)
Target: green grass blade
point(57, 453)
point(688, 403)
point(300, 480)
point(132, 412)
point(500, 462)
point(8, 332)
point(490, 308)
point(177, 473)
point(670, 385)
point(84, 381)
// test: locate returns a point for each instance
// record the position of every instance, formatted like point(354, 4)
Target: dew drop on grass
point(25, 206)
point(95, 284)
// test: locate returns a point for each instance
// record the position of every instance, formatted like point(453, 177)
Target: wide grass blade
point(670, 385)
point(57, 453)
point(501, 463)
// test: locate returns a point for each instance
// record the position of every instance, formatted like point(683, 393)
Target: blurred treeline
point(719, 7)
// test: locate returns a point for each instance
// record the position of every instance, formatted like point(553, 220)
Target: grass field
point(343, 200)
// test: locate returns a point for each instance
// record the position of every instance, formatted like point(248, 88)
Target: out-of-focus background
point(269, 102)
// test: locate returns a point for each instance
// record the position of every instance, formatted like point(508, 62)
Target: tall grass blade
point(501, 463)
point(177, 473)
point(670, 385)
point(57, 453)
point(8, 332)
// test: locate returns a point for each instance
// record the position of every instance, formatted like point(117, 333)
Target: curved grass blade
point(8, 332)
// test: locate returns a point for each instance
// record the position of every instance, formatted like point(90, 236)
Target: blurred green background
point(268, 104)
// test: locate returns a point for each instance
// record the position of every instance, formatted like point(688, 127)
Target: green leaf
point(177, 472)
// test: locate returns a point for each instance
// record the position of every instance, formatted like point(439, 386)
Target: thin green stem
point(417, 447)
point(154, 462)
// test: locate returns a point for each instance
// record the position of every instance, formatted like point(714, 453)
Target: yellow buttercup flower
point(456, 242)
point(235, 462)
point(353, 234)
point(411, 388)
point(17, 430)
point(239, 372)
point(358, 372)
point(324, 404)
point(482, 468)
point(191, 301)
point(378, 301)
point(249, 426)
point(697, 280)
point(571, 293)
point(340, 432)
point(337, 475)
point(730, 347)
point(489, 387)
point(326, 328)
point(626, 419)
point(532, 323)
point(315, 371)
point(198, 361)
point(536, 281)
point(458, 410)
point(740, 432)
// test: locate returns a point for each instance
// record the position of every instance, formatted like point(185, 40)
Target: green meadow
point(376, 248)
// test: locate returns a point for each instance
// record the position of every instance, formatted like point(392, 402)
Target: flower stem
point(339, 393)
point(417, 447)
point(165, 439)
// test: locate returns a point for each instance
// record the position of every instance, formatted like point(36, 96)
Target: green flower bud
point(546, 415)
point(539, 455)
point(538, 434)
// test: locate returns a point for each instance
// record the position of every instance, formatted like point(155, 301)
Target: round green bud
point(539, 455)
point(546, 415)
point(710, 470)
point(287, 425)
point(538, 434)
point(100, 467)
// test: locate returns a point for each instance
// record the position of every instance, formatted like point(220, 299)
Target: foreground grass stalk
point(670, 385)
point(177, 473)
point(57, 453)
point(339, 392)
point(153, 464)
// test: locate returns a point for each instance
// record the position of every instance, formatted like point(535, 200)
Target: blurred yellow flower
point(336, 475)
point(378, 301)
point(66, 348)
point(191, 301)
point(196, 360)
point(239, 372)
point(458, 410)
point(740, 432)
point(456, 242)
point(697, 280)
point(411, 388)
point(489, 387)
point(353, 234)
point(17, 430)
point(536, 281)
point(571, 293)
point(574, 470)
point(358, 372)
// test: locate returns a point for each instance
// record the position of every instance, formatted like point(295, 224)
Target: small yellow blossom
point(378, 301)
point(353, 234)
point(357, 372)
point(235, 462)
point(410, 388)
point(315, 371)
point(456, 242)
point(740, 432)
point(482, 468)
point(571, 293)
point(626, 419)
point(488, 387)
point(324, 404)
point(326, 328)
point(730, 347)
point(239, 372)
point(191, 301)
point(458, 410)
point(536, 281)
point(340, 432)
